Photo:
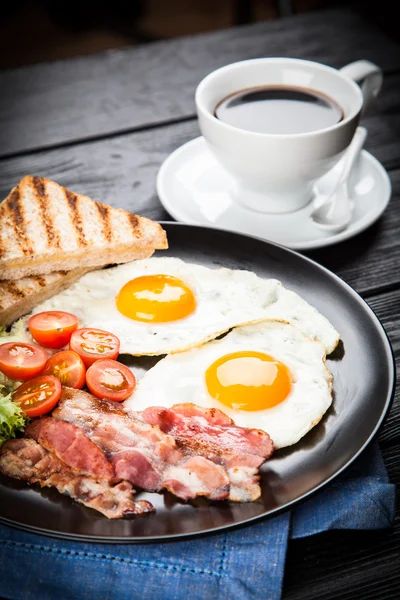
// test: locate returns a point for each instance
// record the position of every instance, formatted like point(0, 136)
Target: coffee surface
point(279, 110)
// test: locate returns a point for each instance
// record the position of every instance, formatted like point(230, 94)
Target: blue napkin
point(246, 563)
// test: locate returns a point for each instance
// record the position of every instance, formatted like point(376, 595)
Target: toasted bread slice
point(44, 228)
point(17, 298)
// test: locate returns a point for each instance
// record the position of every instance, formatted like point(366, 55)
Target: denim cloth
point(244, 564)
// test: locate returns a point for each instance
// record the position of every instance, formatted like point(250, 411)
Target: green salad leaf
point(17, 333)
point(12, 419)
point(7, 385)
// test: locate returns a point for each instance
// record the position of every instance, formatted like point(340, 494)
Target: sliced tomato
point(94, 344)
point(110, 379)
point(53, 328)
point(38, 396)
point(68, 367)
point(21, 361)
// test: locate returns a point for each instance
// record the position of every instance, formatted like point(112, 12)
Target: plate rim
point(301, 246)
point(170, 538)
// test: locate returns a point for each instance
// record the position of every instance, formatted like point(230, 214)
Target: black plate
point(363, 387)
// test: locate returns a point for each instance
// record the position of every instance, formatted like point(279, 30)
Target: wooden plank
point(344, 565)
point(76, 99)
point(391, 456)
point(386, 307)
point(122, 172)
point(383, 124)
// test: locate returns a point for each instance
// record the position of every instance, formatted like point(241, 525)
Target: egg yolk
point(248, 381)
point(156, 299)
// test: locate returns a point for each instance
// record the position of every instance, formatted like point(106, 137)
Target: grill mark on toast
point(53, 239)
point(104, 211)
point(75, 216)
point(16, 211)
point(134, 221)
point(41, 280)
point(11, 288)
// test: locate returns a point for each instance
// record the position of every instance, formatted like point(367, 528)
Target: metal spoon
point(334, 214)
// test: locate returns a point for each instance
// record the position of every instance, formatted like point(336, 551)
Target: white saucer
point(194, 189)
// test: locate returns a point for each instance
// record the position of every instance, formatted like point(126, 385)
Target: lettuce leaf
point(12, 419)
point(7, 385)
point(18, 333)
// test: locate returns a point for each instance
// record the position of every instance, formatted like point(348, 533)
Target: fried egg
point(267, 375)
point(163, 305)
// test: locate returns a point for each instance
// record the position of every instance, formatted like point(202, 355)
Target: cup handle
point(368, 76)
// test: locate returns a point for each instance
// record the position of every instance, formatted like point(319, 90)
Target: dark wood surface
point(127, 90)
point(102, 125)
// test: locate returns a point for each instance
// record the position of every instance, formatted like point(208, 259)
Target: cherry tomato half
point(68, 367)
point(38, 396)
point(110, 379)
point(21, 361)
point(53, 328)
point(94, 344)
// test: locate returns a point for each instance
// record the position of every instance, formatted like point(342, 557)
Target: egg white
point(225, 298)
point(180, 378)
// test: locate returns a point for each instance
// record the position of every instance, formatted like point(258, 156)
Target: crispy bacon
point(90, 444)
point(140, 452)
point(72, 446)
point(212, 434)
point(27, 460)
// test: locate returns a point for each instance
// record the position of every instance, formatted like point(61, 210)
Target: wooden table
point(103, 124)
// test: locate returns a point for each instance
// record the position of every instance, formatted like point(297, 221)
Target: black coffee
point(279, 109)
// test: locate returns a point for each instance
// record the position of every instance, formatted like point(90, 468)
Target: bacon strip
point(212, 434)
point(71, 446)
point(27, 460)
point(141, 453)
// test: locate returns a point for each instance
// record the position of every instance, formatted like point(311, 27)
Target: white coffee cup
point(275, 172)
